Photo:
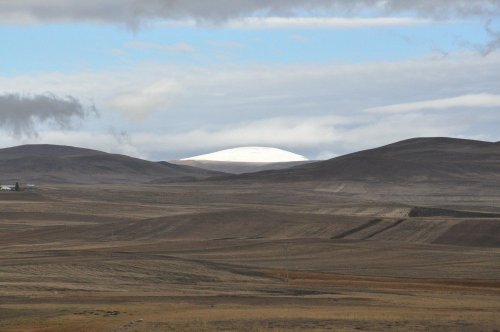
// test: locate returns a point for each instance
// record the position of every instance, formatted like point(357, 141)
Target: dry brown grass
point(318, 279)
point(188, 315)
point(66, 264)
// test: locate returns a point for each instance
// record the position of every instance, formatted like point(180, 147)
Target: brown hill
point(66, 164)
point(419, 160)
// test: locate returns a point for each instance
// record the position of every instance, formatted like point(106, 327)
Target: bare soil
point(246, 257)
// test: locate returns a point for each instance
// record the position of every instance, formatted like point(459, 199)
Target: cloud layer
point(483, 100)
point(256, 13)
point(133, 12)
point(316, 22)
point(20, 115)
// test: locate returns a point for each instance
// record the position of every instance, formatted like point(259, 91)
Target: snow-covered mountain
point(251, 154)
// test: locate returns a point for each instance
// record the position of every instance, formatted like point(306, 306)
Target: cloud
point(280, 131)
point(140, 103)
point(172, 48)
point(483, 100)
point(310, 22)
point(228, 93)
point(134, 12)
point(253, 13)
point(322, 22)
point(20, 114)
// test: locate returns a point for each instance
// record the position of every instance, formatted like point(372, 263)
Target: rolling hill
point(413, 161)
point(419, 161)
point(66, 164)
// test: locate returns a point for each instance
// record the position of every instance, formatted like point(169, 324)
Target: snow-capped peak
point(251, 154)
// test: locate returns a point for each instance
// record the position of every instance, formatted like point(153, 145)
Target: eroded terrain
point(247, 257)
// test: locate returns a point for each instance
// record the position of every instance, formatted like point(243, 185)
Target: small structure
point(4, 187)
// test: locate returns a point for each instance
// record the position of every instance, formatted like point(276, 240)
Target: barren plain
point(244, 256)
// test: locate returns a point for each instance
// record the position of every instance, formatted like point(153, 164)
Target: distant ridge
point(66, 164)
point(417, 160)
point(408, 163)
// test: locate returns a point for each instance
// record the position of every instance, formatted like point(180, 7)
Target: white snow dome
point(251, 154)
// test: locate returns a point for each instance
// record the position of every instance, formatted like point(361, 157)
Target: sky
point(165, 79)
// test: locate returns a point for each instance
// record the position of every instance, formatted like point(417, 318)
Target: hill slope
point(63, 164)
point(419, 160)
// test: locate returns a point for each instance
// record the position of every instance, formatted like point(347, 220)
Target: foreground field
point(240, 257)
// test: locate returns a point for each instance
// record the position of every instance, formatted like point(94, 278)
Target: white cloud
point(282, 131)
point(482, 100)
point(322, 22)
point(252, 91)
point(138, 104)
point(170, 48)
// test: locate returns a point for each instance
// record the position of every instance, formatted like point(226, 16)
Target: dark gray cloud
point(20, 115)
point(444, 8)
point(133, 12)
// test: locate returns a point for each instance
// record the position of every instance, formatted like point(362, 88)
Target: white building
point(7, 188)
